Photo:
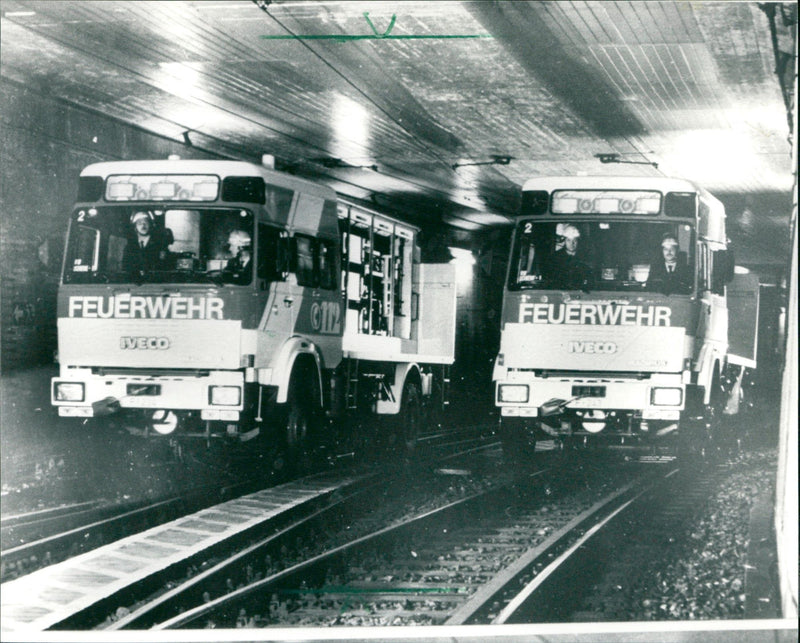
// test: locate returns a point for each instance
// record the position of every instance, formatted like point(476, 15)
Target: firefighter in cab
point(239, 268)
point(146, 249)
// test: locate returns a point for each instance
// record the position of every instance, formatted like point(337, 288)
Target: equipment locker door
point(436, 316)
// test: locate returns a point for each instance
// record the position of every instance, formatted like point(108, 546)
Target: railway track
point(41, 538)
point(99, 566)
point(606, 575)
point(64, 592)
point(45, 516)
point(449, 565)
point(321, 553)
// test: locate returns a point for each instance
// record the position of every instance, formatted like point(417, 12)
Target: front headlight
point(68, 391)
point(512, 392)
point(224, 395)
point(666, 396)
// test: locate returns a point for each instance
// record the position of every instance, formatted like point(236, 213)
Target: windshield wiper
point(214, 276)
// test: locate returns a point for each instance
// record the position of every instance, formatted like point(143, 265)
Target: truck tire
point(296, 424)
point(409, 420)
point(299, 422)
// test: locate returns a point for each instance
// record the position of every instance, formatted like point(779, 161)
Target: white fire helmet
point(570, 231)
point(141, 214)
point(239, 239)
point(669, 240)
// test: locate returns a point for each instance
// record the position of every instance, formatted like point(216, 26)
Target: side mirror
point(722, 270)
point(50, 252)
point(731, 266)
point(44, 253)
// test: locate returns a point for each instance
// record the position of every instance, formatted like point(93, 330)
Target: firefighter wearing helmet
point(146, 249)
point(239, 267)
point(568, 268)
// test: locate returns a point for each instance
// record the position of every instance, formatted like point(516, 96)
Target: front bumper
point(91, 394)
point(657, 396)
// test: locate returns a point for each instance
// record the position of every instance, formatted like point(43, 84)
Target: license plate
point(144, 389)
point(589, 391)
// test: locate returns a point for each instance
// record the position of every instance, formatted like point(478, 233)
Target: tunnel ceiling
point(438, 111)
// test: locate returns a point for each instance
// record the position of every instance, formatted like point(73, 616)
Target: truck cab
point(615, 318)
point(227, 299)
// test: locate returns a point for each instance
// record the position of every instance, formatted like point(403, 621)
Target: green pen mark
point(375, 35)
point(344, 589)
point(374, 30)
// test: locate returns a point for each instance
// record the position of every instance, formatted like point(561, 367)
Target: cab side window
point(327, 264)
point(304, 260)
point(315, 262)
point(270, 254)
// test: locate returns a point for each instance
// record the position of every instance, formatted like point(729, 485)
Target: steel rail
point(174, 594)
point(265, 583)
point(64, 591)
point(570, 536)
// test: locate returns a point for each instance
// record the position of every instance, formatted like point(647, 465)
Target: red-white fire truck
point(623, 316)
point(254, 302)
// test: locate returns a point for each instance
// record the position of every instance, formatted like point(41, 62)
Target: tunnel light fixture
point(464, 261)
point(462, 256)
point(333, 163)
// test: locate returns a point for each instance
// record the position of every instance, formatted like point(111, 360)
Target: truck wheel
point(299, 425)
point(409, 419)
point(296, 424)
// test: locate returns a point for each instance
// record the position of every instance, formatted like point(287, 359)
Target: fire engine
point(218, 298)
point(623, 316)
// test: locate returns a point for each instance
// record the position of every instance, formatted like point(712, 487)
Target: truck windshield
point(130, 244)
point(603, 255)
